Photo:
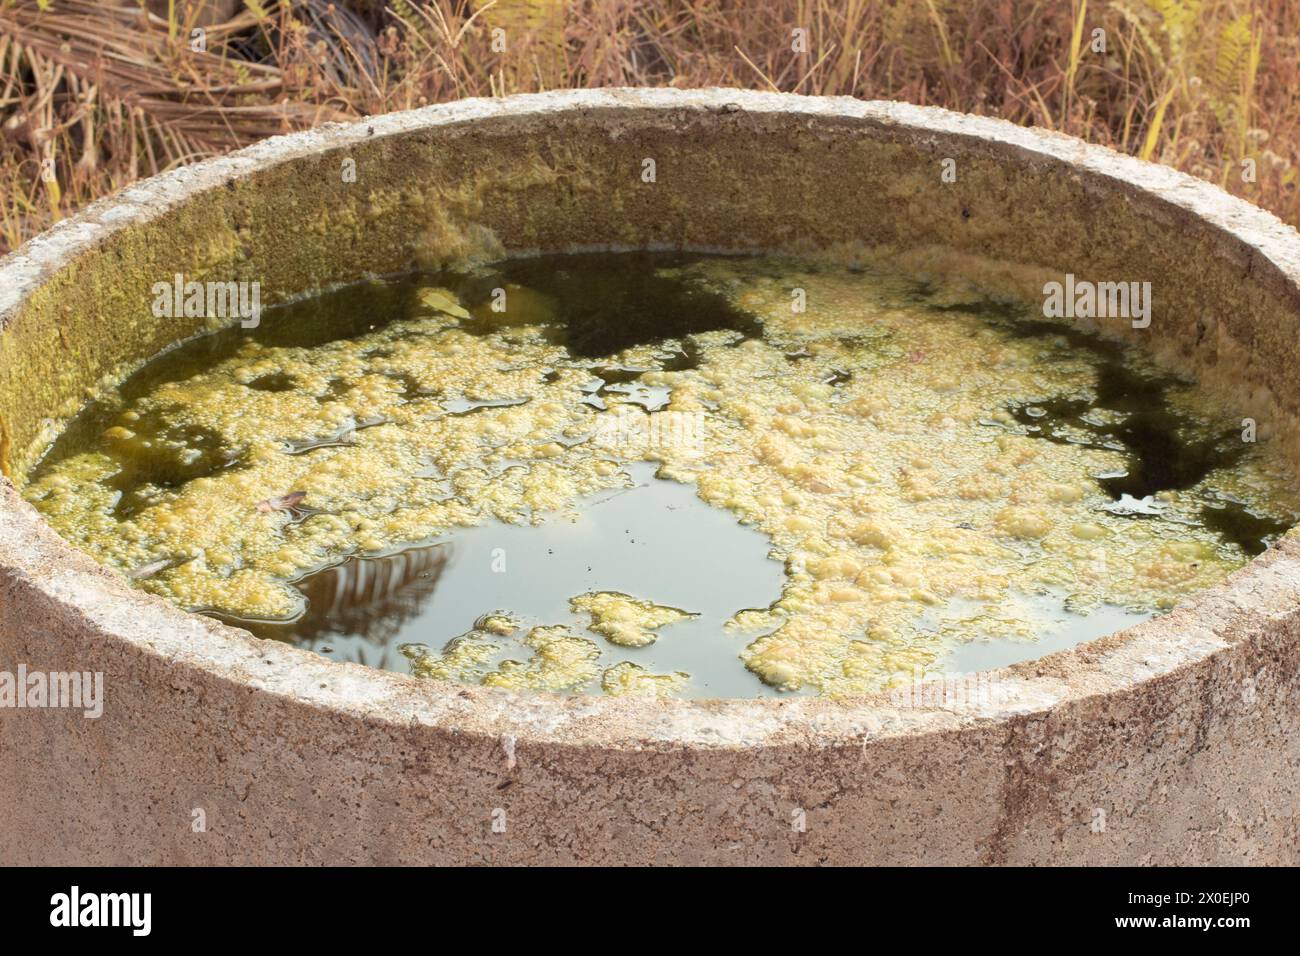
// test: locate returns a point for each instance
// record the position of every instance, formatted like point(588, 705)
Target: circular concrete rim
point(1238, 609)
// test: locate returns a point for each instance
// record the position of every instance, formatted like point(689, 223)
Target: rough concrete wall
point(1179, 730)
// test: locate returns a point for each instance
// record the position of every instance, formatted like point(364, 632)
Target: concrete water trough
point(1171, 742)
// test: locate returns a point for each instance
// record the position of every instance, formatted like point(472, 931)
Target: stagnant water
point(680, 475)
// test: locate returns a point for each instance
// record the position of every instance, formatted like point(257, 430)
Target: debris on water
point(465, 406)
point(146, 571)
point(283, 502)
point(440, 300)
point(343, 438)
point(292, 503)
point(1128, 505)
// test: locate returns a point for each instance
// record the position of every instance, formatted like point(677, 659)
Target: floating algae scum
point(930, 476)
point(819, 446)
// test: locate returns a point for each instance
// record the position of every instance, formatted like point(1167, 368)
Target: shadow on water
point(574, 297)
point(1166, 449)
point(166, 453)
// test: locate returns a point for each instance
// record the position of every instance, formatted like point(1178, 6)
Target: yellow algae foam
point(624, 620)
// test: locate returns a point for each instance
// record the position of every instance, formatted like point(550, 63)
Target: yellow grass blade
point(1153, 131)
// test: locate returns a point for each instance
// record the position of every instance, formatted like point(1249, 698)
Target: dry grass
point(93, 96)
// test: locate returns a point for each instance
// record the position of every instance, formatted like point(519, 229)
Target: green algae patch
point(932, 469)
point(500, 651)
point(628, 679)
point(557, 660)
point(624, 620)
point(561, 660)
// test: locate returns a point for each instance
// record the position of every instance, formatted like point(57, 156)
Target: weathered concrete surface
point(1178, 734)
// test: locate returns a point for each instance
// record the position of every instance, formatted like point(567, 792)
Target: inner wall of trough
point(724, 180)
